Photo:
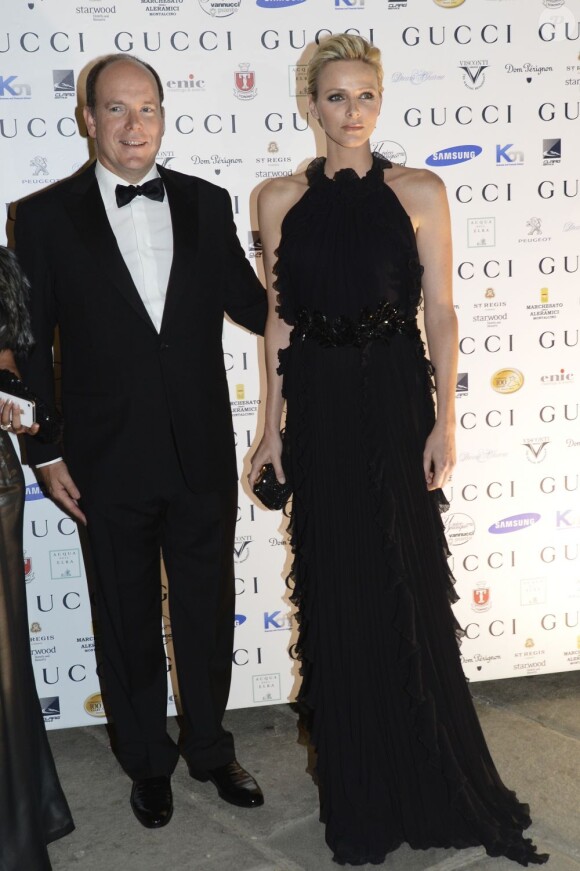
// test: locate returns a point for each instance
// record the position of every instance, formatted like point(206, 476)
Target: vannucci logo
point(277, 4)
point(513, 523)
point(33, 492)
point(455, 154)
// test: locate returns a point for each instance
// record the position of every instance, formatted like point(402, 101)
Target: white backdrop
point(487, 93)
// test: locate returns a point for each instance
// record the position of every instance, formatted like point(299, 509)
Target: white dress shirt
point(144, 235)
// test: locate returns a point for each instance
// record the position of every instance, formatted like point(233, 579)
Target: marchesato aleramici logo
point(454, 154)
point(277, 4)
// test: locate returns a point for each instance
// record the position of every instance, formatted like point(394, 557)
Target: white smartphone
point(28, 408)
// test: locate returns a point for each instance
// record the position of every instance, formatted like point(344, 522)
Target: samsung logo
point(33, 492)
point(455, 154)
point(513, 523)
point(277, 4)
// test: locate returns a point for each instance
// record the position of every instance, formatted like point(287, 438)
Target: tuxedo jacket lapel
point(183, 203)
point(87, 211)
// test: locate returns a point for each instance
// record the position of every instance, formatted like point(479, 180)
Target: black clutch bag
point(50, 422)
point(269, 491)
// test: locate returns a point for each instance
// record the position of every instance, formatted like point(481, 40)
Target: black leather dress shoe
point(152, 801)
point(233, 783)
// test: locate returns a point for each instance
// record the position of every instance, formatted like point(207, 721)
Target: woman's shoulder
point(413, 179)
point(420, 192)
point(280, 194)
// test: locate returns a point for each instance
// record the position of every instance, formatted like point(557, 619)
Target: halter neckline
point(315, 173)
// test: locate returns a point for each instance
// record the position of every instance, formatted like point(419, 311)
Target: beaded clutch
point(270, 491)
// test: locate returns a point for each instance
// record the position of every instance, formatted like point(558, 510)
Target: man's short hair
point(107, 61)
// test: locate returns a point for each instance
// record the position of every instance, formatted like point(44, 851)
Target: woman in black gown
point(348, 247)
point(33, 809)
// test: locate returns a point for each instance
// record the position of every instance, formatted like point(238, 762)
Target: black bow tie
point(153, 189)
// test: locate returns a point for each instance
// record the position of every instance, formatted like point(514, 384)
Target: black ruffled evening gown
point(33, 809)
point(401, 755)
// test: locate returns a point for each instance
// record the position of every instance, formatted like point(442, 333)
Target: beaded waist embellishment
point(382, 323)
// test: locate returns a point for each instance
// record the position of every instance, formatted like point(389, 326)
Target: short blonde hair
point(343, 46)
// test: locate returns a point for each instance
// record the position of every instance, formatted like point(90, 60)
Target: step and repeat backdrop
point(487, 94)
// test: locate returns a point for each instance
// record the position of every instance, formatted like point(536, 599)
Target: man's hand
point(62, 488)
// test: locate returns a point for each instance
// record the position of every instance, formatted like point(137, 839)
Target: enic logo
point(507, 380)
point(189, 84)
point(513, 523)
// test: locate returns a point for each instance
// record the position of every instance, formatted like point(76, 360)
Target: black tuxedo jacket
point(120, 377)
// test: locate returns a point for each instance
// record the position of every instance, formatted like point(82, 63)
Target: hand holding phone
point(27, 407)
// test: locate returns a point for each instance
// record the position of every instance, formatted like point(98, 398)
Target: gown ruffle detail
point(33, 809)
point(401, 755)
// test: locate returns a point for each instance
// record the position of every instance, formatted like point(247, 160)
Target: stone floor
point(532, 726)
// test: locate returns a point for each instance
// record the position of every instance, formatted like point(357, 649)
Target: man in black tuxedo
point(136, 264)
